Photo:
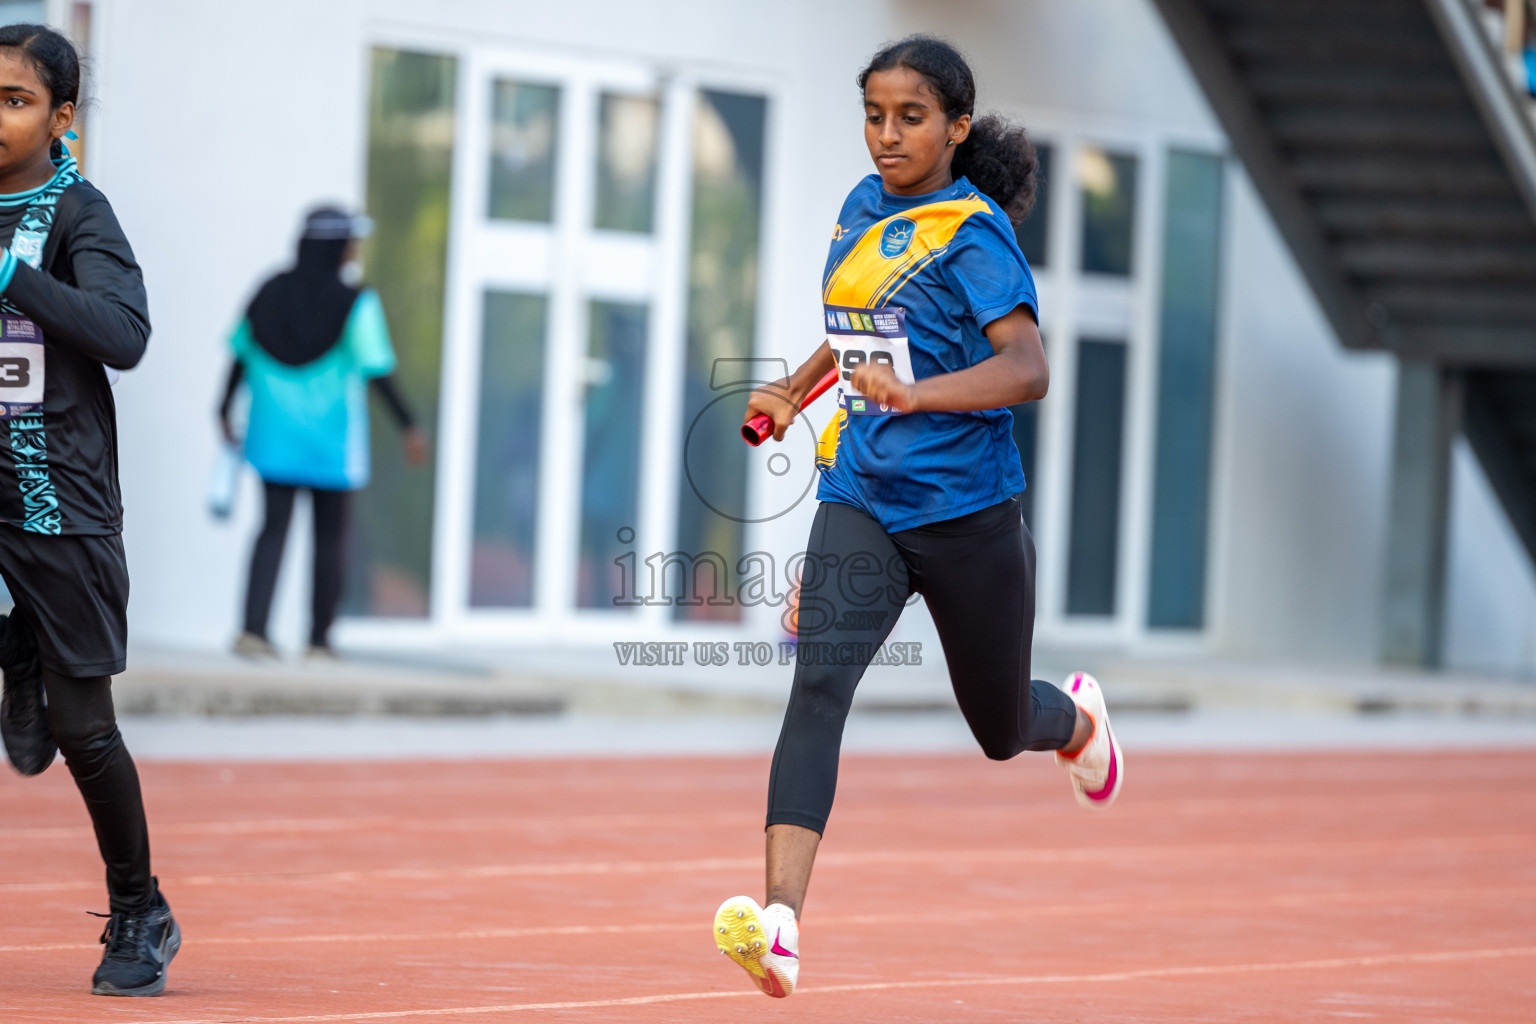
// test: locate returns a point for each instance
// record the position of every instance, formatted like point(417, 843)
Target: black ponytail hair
point(997, 156)
point(55, 60)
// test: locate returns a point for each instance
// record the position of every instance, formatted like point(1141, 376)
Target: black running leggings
point(330, 511)
point(83, 724)
point(977, 575)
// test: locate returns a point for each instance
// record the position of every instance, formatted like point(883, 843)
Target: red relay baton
point(760, 427)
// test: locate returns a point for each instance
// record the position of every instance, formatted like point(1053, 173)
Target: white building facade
point(598, 221)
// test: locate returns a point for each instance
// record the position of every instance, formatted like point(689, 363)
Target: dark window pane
point(1186, 384)
point(1025, 426)
point(722, 315)
point(410, 139)
point(1034, 231)
point(610, 476)
point(1099, 422)
point(1026, 432)
point(627, 133)
point(1108, 182)
point(525, 135)
point(507, 451)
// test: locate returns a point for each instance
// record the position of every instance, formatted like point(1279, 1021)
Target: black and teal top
point(309, 423)
point(67, 268)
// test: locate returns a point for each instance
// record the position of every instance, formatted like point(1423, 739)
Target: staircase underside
point(1402, 186)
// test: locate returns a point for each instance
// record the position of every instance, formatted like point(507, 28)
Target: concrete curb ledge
point(214, 702)
point(221, 686)
point(1215, 686)
point(228, 687)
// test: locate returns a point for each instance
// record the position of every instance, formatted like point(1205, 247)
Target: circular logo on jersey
point(896, 237)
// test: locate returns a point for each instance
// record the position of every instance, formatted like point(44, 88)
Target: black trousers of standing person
point(330, 514)
point(977, 575)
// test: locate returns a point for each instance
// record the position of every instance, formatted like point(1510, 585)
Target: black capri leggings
point(330, 514)
point(977, 575)
point(83, 723)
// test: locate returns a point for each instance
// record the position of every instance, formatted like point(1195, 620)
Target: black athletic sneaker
point(139, 949)
point(23, 718)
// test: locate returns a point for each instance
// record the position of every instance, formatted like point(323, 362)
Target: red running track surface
point(1398, 887)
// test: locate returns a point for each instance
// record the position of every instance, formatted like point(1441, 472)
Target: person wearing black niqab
point(307, 345)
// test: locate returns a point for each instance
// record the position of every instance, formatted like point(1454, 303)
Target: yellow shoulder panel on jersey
point(867, 277)
point(826, 444)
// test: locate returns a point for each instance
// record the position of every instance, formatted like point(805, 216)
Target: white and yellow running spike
point(765, 941)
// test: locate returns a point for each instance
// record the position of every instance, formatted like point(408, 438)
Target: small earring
point(951, 142)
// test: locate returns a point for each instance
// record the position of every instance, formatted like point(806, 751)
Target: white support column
point(459, 396)
point(565, 353)
point(1429, 404)
point(659, 470)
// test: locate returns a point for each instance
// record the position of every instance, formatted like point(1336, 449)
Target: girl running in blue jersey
point(72, 313)
point(931, 315)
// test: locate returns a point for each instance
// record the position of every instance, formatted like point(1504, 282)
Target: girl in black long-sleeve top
point(72, 313)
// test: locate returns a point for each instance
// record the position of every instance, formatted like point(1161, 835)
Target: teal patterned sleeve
point(368, 337)
point(242, 341)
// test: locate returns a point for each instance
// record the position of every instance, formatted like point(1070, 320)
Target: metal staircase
point(1398, 159)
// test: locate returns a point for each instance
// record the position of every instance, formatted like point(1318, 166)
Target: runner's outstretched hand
point(415, 446)
point(777, 402)
point(780, 401)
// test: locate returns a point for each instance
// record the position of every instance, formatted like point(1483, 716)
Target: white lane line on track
point(1193, 970)
point(543, 824)
point(1175, 907)
point(1385, 848)
point(380, 823)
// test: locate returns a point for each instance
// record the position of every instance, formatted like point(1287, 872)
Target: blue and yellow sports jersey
point(948, 263)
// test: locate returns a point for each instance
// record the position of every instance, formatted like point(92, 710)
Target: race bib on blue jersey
point(21, 366)
point(860, 336)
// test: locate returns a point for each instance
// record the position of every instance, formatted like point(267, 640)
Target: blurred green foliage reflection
point(410, 151)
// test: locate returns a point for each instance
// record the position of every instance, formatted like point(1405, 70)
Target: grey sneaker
point(257, 648)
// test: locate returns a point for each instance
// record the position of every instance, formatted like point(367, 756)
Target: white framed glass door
point(1127, 246)
point(564, 278)
point(594, 249)
point(1098, 307)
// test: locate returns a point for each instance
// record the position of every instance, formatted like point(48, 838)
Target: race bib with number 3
point(860, 336)
point(21, 366)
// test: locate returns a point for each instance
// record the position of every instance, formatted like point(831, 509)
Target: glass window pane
point(1186, 385)
point(722, 316)
point(525, 130)
point(610, 475)
point(410, 140)
point(1025, 427)
point(1033, 232)
point(1026, 432)
point(1108, 183)
point(1093, 552)
point(507, 451)
point(23, 12)
point(628, 129)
